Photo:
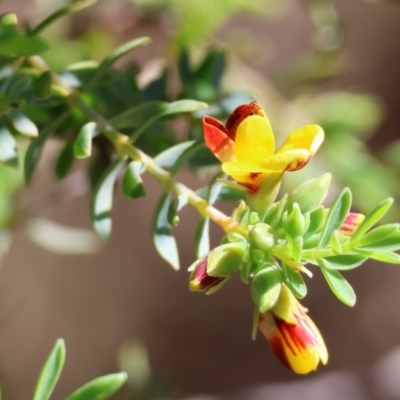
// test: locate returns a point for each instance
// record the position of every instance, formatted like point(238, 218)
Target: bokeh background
point(122, 306)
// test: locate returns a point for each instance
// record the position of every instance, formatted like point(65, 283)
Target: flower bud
point(200, 281)
point(261, 236)
point(295, 223)
point(293, 336)
point(351, 223)
point(211, 271)
point(266, 287)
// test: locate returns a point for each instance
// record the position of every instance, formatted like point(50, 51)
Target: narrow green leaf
point(64, 161)
point(50, 372)
point(102, 199)
point(202, 238)
point(386, 257)
point(113, 57)
point(339, 286)
point(132, 184)
point(317, 220)
point(8, 147)
point(83, 142)
point(373, 217)
point(100, 388)
point(265, 287)
point(33, 153)
point(75, 5)
point(294, 281)
point(164, 241)
point(168, 157)
point(42, 86)
point(345, 261)
point(336, 215)
point(390, 243)
point(22, 124)
point(378, 234)
point(176, 107)
point(185, 156)
point(310, 194)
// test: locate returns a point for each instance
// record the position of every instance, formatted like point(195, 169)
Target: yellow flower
point(293, 336)
point(246, 146)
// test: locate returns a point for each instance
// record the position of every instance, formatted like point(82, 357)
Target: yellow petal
point(309, 137)
point(278, 163)
point(254, 139)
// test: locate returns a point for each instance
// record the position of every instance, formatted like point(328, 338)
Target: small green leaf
point(266, 287)
point(173, 217)
point(168, 158)
point(42, 86)
point(75, 5)
point(50, 372)
point(100, 388)
point(386, 257)
point(83, 142)
point(339, 286)
point(64, 161)
point(113, 57)
point(33, 153)
point(373, 217)
point(335, 242)
point(344, 261)
point(336, 215)
point(23, 125)
point(390, 243)
point(274, 214)
point(176, 107)
point(164, 241)
point(8, 147)
point(184, 157)
point(310, 194)
point(102, 199)
point(202, 238)
point(132, 184)
point(317, 219)
point(294, 281)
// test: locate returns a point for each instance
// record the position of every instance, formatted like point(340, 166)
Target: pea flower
point(351, 223)
point(246, 146)
point(293, 336)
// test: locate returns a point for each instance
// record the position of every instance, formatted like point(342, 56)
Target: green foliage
point(50, 372)
point(163, 239)
point(98, 389)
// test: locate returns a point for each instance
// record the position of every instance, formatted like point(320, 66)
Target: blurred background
point(119, 306)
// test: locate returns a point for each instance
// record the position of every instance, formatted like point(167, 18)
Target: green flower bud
point(295, 223)
point(261, 236)
point(266, 287)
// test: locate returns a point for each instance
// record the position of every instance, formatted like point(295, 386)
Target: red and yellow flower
point(293, 336)
point(246, 146)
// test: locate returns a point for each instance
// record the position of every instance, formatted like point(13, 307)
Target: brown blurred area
point(200, 344)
